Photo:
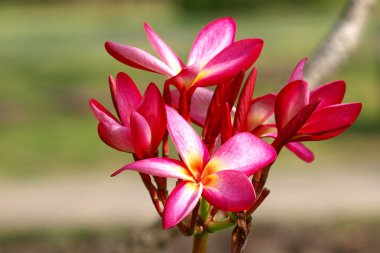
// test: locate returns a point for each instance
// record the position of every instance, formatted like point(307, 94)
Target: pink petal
point(163, 50)
point(226, 128)
point(200, 102)
point(266, 130)
point(291, 99)
point(186, 77)
point(112, 85)
point(101, 113)
point(213, 125)
point(261, 109)
point(174, 96)
point(152, 108)
point(180, 203)
point(229, 190)
point(237, 57)
point(330, 121)
point(297, 73)
point(142, 135)
point(242, 109)
point(212, 39)
point(137, 58)
point(116, 136)
point(127, 97)
point(329, 94)
point(243, 152)
point(160, 167)
point(187, 142)
point(199, 105)
point(301, 151)
point(295, 124)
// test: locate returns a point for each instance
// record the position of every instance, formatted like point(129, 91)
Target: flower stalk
point(200, 242)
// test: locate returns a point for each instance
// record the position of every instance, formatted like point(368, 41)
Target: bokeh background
point(55, 191)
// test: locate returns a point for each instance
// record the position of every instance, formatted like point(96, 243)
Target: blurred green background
point(52, 61)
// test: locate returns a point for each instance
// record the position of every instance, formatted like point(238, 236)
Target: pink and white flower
point(221, 179)
point(214, 56)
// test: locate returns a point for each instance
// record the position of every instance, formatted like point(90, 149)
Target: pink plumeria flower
point(142, 123)
point(257, 117)
point(258, 110)
point(221, 179)
point(214, 56)
point(303, 115)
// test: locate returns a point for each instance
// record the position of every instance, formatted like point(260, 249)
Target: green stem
point(200, 243)
point(205, 210)
point(214, 226)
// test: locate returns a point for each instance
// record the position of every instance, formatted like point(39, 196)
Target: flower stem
point(200, 243)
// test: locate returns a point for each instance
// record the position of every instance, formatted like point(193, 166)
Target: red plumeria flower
point(221, 179)
point(142, 123)
point(303, 115)
point(258, 110)
point(214, 56)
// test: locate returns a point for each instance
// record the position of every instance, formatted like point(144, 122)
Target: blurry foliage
point(58, 1)
point(246, 5)
point(53, 60)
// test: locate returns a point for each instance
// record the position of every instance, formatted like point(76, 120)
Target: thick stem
point(200, 243)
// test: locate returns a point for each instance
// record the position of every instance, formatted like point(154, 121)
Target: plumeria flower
point(303, 115)
point(214, 56)
point(142, 123)
point(258, 110)
point(221, 179)
point(254, 115)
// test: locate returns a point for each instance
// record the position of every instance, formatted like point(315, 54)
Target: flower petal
point(127, 97)
point(265, 130)
point(297, 73)
point(137, 58)
point(116, 136)
point(101, 113)
point(329, 94)
point(152, 108)
point(291, 129)
point(212, 39)
point(329, 121)
point(260, 110)
point(301, 151)
point(243, 152)
point(187, 142)
point(142, 135)
point(180, 203)
point(112, 85)
point(229, 190)
point(244, 102)
point(160, 167)
point(199, 105)
point(291, 99)
point(163, 50)
point(235, 58)
point(226, 126)
point(200, 102)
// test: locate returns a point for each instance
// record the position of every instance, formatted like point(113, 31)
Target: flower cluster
point(222, 171)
